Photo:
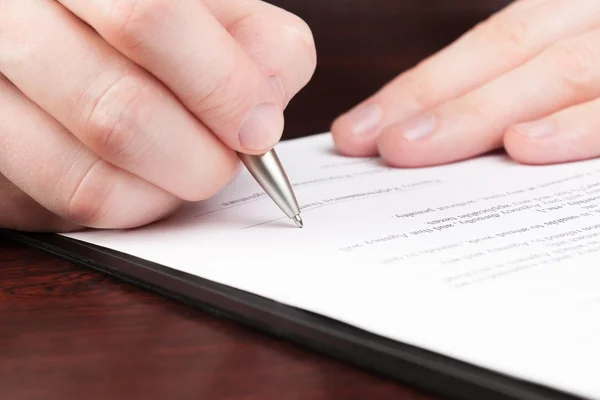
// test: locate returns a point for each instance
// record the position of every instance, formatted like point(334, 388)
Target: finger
point(184, 45)
point(47, 163)
point(115, 108)
point(279, 42)
point(569, 135)
point(20, 212)
point(500, 44)
point(564, 75)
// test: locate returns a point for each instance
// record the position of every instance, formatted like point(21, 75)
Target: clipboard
point(409, 365)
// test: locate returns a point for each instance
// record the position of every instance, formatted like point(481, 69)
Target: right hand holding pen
point(112, 112)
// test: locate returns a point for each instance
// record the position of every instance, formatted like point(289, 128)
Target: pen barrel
point(268, 171)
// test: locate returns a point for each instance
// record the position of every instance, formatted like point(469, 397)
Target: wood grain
point(67, 332)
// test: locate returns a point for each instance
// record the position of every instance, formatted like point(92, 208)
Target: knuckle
point(114, 124)
point(577, 65)
point(84, 212)
point(132, 22)
point(214, 96)
point(86, 204)
point(512, 36)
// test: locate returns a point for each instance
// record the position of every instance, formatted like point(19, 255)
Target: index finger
point(279, 42)
point(185, 46)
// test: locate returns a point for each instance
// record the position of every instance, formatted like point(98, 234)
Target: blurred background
point(362, 44)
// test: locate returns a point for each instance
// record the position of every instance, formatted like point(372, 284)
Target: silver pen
point(269, 173)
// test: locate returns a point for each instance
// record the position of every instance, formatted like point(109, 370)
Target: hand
point(114, 112)
point(528, 79)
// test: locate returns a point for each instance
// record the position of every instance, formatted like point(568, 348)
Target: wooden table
point(68, 332)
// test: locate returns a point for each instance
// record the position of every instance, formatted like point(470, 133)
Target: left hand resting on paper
point(527, 79)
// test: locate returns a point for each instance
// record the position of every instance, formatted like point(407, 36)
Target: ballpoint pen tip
point(298, 221)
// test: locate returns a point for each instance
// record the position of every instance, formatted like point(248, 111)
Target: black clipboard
point(407, 364)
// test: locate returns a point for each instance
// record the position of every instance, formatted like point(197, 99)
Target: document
point(487, 261)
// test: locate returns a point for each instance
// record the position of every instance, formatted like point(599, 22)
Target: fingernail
point(365, 120)
point(417, 128)
point(262, 127)
point(279, 89)
point(537, 129)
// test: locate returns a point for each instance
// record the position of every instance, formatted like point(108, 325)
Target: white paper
point(486, 261)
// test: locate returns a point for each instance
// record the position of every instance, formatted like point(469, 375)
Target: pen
point(269, 173)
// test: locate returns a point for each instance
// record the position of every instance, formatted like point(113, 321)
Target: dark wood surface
point(71, 333)
point(67, 332)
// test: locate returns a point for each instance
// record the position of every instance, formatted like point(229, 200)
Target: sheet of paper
point(487, 261)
